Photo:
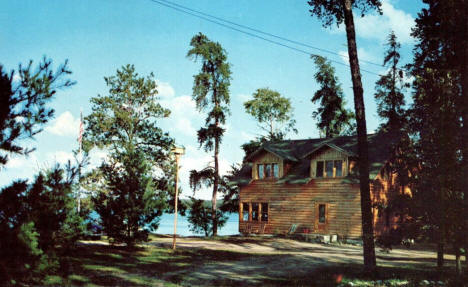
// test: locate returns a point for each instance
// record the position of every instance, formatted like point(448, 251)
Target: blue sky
point(98, 37)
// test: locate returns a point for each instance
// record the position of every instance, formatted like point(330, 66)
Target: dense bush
point(200, 218)
point(39, 223)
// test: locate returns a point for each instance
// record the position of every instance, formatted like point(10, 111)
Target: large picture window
point(258, 212)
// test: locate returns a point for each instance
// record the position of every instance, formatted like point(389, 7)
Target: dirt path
point(252, 261)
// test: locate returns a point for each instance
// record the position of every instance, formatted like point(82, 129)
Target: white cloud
point(362, 55)
point(165, 90)
point(197, 159)
point(16, 77)
point(61, 157)
point(183, 114)
point(96, 157)
point(184, 125)
point(22, 162)
point(243, 97)
point(64, 125)
point(375, 26)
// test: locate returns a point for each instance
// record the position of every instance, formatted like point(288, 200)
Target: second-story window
point(267, 170)
point(329, 168)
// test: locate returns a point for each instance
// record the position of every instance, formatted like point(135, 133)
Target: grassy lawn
point(96, 264)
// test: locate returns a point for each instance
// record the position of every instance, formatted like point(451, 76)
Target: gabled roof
point(299, 152)
point(276, 150)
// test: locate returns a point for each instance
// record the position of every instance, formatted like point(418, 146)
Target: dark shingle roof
point(298, 152)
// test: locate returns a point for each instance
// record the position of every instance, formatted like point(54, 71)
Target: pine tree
point(389, 90)
point(125, 122)
point(211, 94)
point(440, 113)
point(333, 118)
point(340, 11)
point(23, 103)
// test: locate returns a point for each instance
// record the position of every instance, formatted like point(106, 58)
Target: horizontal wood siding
point(295, 204)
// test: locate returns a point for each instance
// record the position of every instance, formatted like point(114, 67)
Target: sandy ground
point(279, 258)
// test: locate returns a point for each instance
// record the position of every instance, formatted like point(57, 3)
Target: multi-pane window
point(329, 168)
point(267, 170)
point(261, 171)
point(275, 170)
point(245, 211)
point(338, 165)
point(258, 212)
point(320, 169)
point(322, 213)
point(254, 211)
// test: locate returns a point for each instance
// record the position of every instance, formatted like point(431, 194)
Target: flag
point(80, 135)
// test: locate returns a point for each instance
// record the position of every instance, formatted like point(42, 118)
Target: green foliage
point(211, 94)
point(273, 112)
point(389, 90)
point(333, 11)
point(200, 218)
point(230, 191)
point(340, 11)
point(436, 121)
point(38, 223)
point(133, 184)
point(211, 88)
point(52, 207)
point(333, 118)
point(130, 207)
point(126, 118)
point(23, 103)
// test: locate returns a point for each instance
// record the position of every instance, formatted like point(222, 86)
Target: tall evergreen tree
point(389, 89)
point(333, 118)
point(440, 110)
point(340, 11)
point(135, 176)
point(211, 94)
point(23, 103)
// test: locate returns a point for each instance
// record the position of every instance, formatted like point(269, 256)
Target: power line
point(269, 34)
point(251, 34)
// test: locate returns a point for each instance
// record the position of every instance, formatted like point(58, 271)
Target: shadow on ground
point(101, 265)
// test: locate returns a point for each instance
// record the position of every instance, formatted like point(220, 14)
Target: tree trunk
point(215, 189)
point(458, 267)
point(366, 209)
point(440, 254)
point(216, 179)
point(464, 141)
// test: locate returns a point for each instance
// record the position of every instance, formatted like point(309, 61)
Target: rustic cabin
point(311, 187)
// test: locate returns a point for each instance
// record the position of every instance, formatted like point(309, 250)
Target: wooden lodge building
point(311, 186)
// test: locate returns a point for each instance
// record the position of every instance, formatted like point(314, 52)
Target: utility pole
point(178, 151)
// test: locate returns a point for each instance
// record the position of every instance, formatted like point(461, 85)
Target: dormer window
point(329, 168)
point(267, 170)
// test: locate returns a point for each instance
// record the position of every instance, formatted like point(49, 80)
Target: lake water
point(166, 225)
